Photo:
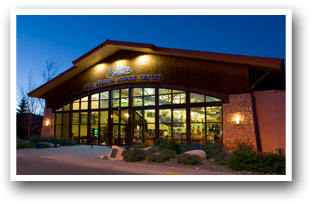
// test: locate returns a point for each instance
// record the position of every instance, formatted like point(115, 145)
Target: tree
point(21, 118)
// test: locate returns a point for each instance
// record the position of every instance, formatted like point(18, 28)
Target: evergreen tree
point(21, 118)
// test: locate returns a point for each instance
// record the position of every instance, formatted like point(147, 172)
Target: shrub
point(213, 150)
point(30, 144)
point(20, 144)
point(244, 148)
point(154, 158)
point(167, 154)
point(187, 159)
point(61, 142)
point(151, 151)
point(259, 163)
point(184, 147)
point(160, 157)
point(167, 144)
point(134, 155)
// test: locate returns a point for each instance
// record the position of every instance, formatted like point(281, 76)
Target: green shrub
point(167, 154)
point(257, 163)
point(20, 144)
point(30, 144)
point(167, 144)
point(213, 150)
point(61, 142)
point(244, 148)
point(151, 151)
point(160, 157)
point(187, 159)
point(134, 155)
point(184, 147)
point(154, 158)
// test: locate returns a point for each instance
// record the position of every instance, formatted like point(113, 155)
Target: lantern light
point(237, 119)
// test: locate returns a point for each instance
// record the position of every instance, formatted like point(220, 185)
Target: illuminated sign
point(121, 70)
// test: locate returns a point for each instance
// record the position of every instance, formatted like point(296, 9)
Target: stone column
point(48, 130)
point(234, 134)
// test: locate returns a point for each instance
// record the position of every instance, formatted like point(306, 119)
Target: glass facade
point(139, 116)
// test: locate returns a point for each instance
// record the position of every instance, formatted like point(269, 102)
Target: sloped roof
point(109, 47)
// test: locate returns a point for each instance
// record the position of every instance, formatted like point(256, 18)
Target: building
point(132, 94)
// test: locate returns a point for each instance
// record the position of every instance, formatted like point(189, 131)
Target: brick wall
point(48, 131)
point(233, 134)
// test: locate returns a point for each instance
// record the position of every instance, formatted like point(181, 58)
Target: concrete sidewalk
point(84, 155)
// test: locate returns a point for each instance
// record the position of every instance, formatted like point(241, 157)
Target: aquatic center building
point(132, 94)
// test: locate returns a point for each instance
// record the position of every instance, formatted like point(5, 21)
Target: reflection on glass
point(115, 116)
point(149, 91)
point(164, 99)
point(104, 95)
point(124, 102)
point(95, 97)
point(137, 92)
point(197, 98)
point(94, 118)
point(164, 91)
point(212, 99)
point(115, 93)
point(137, 101)
point(124, 116)
point(65, 118)
point(214, 114)
point(103, 132)
point(58, 131)
point(149, 100)
point(104, 116)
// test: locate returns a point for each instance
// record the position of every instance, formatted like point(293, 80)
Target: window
point(104, 99)
point(179, 125)
point(212, 99)
point(165, 123)
point(143, 96)
point(84, 103)
point(198, 120)
point(168, 96)
point(95, 101)
point(197, 98)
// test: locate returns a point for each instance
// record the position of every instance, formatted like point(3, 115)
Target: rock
point(147, 148)
point(102, 157)
point(116, 153)
point(202, 154)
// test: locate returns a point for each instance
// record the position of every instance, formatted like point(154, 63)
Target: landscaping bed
point(42, 142)
point(244, 161)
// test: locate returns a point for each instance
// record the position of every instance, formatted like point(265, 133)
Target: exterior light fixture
point(47, 122)
point(100, 66)
point(237, 118)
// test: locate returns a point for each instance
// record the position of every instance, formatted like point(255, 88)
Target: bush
point(187, 159)
point(244, 148)
point(160, 157)
point(259, 163)
point(167, 144)
point(20, 144)
point(184, 147)
point(213, 150)
point(30, 144)
point(61, 142)
point(134, 155)
point(151, 151)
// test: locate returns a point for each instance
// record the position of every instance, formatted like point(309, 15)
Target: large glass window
point(76, 120)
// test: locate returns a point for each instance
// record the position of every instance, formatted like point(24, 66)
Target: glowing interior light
point(47, 122)
point(237, 119)
point(127, 115)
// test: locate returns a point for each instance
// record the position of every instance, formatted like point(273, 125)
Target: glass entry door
point(120, 127)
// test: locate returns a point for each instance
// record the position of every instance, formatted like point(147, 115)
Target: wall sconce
point(237, 118)
point(47, 122)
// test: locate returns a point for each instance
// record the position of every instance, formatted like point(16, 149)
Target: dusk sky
point(65, 38)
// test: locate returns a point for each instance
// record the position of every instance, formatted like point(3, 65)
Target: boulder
point(202, 154)
point(116, 153)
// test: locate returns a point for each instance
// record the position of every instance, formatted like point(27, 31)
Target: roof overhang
point(110, 47)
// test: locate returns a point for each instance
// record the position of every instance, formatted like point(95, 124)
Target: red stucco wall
point(270, 109)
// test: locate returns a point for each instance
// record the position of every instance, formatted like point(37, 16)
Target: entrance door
point(120, 127)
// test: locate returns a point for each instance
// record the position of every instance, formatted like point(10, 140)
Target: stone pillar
point(48, 131)
point(233, 134)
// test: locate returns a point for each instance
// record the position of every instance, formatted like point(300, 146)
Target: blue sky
point(65, 38)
